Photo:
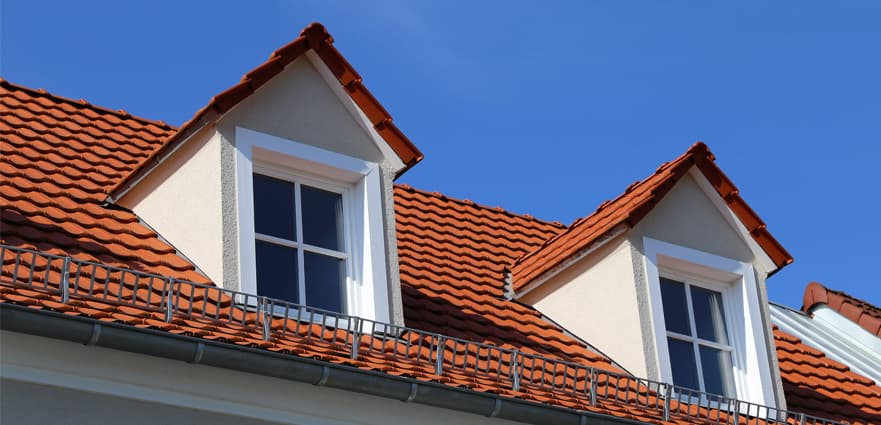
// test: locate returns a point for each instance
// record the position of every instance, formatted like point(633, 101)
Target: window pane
point(683, 363)
point(325, 282)
point(675, 307)
point(277, 272)
point(274, 207)
point(717, 370)
point(322, 218)
point(709, 318)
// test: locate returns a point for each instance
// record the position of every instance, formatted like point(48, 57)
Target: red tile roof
point(820, 386)
point(58, 158)
point(315, 38)
point(634, 204)
point(856, 310)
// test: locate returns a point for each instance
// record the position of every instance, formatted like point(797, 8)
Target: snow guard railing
point(260, 321)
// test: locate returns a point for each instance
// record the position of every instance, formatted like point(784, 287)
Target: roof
point(635, 203)
point(856, 310)
point(57, 161)
point(60, 157)
point(315, 38)
point(818, 385)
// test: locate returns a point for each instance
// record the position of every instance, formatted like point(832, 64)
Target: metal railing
point(424, 354)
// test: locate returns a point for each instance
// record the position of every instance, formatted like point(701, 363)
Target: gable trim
point(313, 38)
point(638, 201)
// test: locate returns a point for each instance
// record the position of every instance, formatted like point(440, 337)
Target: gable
point(615, 216)
point(687, 217)
point(299, 105)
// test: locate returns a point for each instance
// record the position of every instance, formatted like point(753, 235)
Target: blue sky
point(546, 108)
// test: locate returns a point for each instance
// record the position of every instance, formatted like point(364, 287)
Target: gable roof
point(856, 310)
point(315, 38)
point(635, 203)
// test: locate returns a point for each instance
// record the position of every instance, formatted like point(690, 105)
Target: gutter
point(193, 350)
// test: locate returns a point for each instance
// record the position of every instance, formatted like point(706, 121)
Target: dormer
point(282, 185)
point(668, 279)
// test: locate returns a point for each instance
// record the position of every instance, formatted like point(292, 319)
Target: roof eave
point(193, 350)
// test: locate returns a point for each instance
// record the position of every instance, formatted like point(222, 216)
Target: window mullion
point(301, 269)
point(695, 345)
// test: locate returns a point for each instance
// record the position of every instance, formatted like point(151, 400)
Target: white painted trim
point(62, 364)
point(358, 181)
point(752, 374)
point(763, 261)
point(355, 111)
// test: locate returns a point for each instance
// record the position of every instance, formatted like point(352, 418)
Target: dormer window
point(697, 336)
point(707, 322)
point(300, 242)
point(310, 226)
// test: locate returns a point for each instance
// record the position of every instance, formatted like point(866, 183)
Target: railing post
point(736, 412)
point(439, 356)
point(169, 294)
point(802, 419)
point(265, 316)
point(668, 393)
point(356, 337)
point(593, 386)
point(65, 281)
point(514, 370)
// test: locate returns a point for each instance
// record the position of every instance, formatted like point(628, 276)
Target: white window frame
point(736, 281)
point(690, 281)
point(357, 180)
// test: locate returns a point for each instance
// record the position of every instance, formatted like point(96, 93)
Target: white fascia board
point(355, 111)
point(836, 336)
point(99, 370)
point(762, 261)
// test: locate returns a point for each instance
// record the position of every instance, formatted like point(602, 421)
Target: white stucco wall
point(44, 367)
point(298, 105)
point(182, 200)
point(595, 299)
point(687, 217)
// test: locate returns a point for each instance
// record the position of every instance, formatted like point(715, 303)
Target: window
point(707, 323)
point(310, 226)
point(697, 337)
point(299, 243)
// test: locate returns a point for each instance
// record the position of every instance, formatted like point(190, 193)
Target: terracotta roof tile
point(631, 206)
point(856, 310)
point(820, 386)
point(56, 164)
point(315, 38)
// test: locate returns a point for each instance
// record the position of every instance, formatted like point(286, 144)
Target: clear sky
point(547, 108)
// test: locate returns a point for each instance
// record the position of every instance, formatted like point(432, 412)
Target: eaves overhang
point(193, 350)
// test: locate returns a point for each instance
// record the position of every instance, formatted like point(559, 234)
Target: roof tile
point(820, 386)
point(856, 310)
